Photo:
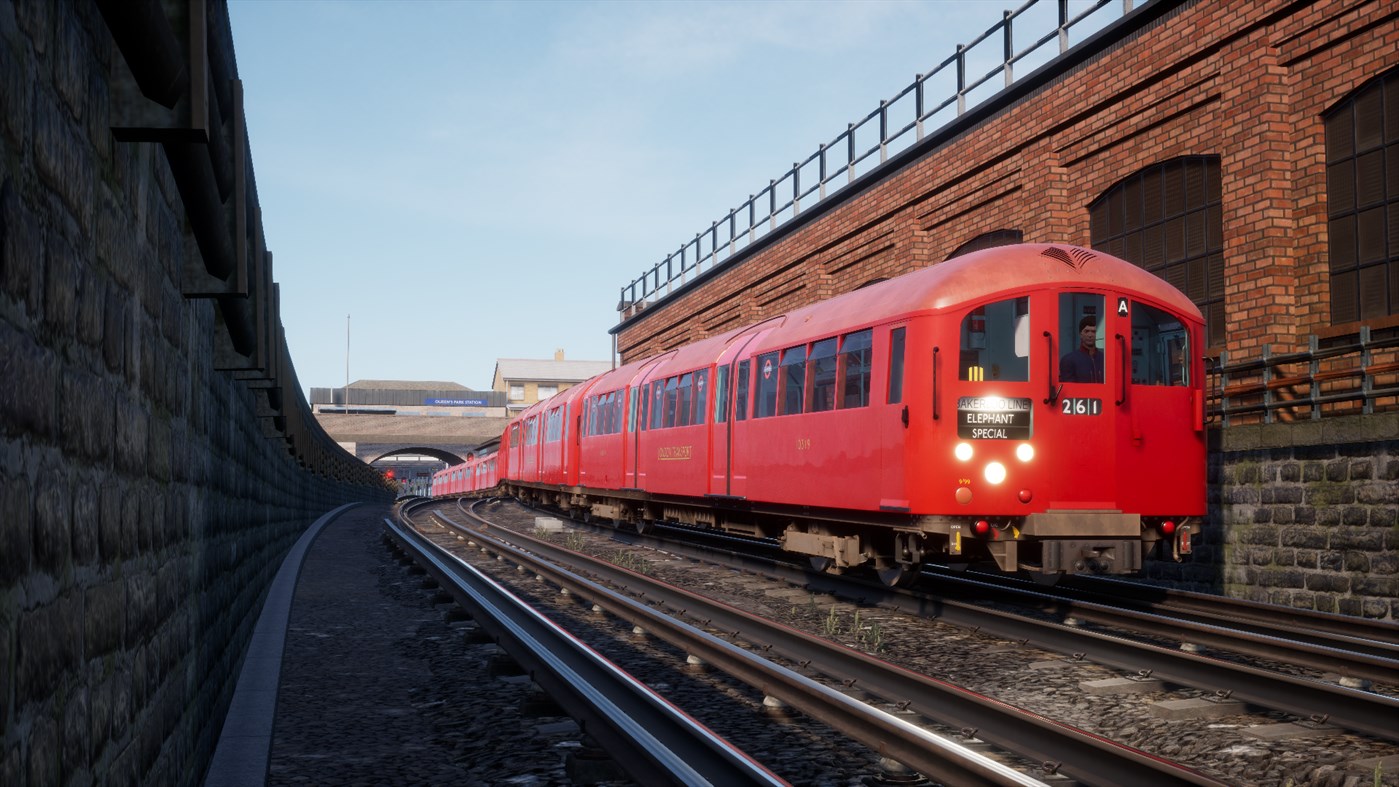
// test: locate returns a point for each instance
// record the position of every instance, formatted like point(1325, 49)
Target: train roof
point(979, 277)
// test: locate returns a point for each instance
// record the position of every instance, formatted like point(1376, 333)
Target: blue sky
point(477, 180)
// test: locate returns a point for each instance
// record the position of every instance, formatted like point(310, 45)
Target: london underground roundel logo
point(767, 369)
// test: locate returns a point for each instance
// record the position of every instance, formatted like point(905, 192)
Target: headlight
point(995, 472)
point(963, 451)
point(1024, 452)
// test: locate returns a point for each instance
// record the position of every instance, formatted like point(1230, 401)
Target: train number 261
point(1077, 405)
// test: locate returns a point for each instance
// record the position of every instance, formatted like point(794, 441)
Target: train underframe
point(894, 545)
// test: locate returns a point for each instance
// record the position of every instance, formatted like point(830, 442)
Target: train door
point(996, 380)
point(733, 377)
point(1074, 448)
point(1163, 414)
point(631, 441)
point(893, 421)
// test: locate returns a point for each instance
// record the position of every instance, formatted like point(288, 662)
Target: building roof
point(548, 371)
point(408, 385)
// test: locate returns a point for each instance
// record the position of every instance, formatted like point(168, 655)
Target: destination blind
point(993, 418)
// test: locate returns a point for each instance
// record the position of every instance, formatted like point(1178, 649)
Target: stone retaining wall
point(144, 507)
point(1304, 514)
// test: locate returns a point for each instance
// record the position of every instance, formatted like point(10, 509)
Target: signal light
point(1168, 527)
point(981, 526)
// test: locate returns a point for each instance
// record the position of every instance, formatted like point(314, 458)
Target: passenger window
point(684, 402)
point(658, 404)
point(701, 394)
point(766, 384)
point(793, 381)
point(1080, 337)
point(995, 342)
point(631, 411)
point(741, 393)
point(721, 398)
point(1160, 347)
point(821, 376)
point(896, 366)
point(855, 356)
point(672, 397)
point(643, 422)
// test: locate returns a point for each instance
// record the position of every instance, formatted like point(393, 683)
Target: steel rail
point(651, 739)
point(1085, 756)
point(1382, 635)
point(1360, 711)
point(1350, 658)
point(1310, 640)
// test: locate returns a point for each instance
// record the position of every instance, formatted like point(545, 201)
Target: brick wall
point(143, 505)
point(1245, 81)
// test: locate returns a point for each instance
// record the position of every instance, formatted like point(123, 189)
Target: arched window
point(1362, 201)
point(1167, 219)
point(988, 240)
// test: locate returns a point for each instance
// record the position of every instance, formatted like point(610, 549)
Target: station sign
point(455, 402)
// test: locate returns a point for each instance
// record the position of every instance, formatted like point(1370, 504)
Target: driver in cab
point(1085, 364)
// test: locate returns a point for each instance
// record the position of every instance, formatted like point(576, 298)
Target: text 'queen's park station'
point(1039, 426)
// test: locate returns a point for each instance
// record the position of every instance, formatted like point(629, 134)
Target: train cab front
point(1077, 437)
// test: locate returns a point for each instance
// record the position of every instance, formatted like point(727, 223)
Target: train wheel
point(899, 575)
point(823, 565)
point(644, 526)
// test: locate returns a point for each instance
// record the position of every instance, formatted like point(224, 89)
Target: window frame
point(843, 377)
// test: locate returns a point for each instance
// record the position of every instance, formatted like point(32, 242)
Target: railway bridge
point(160, 458)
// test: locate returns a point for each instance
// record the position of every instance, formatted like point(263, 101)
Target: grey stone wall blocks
point(1304, 514)
point(143, 512)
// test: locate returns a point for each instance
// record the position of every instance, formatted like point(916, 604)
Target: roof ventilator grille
point(1074, 258)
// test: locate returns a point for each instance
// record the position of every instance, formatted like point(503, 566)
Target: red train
point(1041, 406)
point(478, 472)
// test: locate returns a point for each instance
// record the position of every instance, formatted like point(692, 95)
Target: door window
point(855, 361)
point(721, 396)
point(1160, 347)
point(684, 404)
point(701, 394)
point(1081, 337)
point(995, 342)
point(767, 374)
point(821, 376)
point(741, 393)
point(896, 366)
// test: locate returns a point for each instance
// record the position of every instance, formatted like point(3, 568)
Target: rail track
point(1178, 638)
point(657, 742)
point(1063, 748)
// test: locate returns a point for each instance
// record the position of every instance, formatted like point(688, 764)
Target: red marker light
point(981, 527)
point(1026, 495)
point(1168, 527)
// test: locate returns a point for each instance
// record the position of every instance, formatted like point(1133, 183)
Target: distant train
point(1039, 406)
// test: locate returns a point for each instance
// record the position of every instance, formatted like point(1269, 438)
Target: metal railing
point(897, 123)
point(1357, 375)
